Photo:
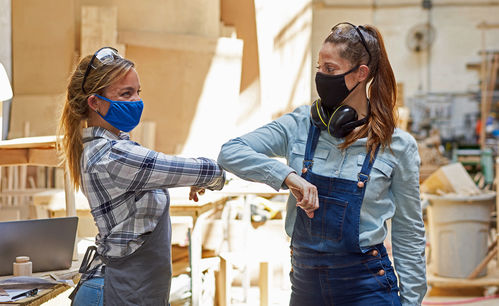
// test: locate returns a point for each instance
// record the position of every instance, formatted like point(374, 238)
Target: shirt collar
point(100, 132)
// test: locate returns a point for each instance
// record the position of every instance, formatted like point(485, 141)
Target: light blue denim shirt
point(392, 191)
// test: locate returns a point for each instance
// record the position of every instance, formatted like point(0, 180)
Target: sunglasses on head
point(103, 56)
point(357, 28)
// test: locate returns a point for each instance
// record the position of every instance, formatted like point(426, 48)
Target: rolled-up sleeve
point(408, 233)
point(248, 156)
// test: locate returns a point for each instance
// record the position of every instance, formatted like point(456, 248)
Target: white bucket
point(458, 230)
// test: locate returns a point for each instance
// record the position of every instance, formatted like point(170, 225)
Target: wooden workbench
point(45, 295)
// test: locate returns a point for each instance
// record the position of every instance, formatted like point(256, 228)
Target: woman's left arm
point(408, 233)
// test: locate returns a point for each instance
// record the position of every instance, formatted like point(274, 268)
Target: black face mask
point(332, 89)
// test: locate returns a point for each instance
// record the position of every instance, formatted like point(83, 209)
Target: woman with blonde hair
point(125, 184)
point(357, 172)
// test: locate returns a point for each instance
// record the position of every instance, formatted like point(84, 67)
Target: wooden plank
point(13, 157)
point(492, 279)
point(451, 178)
point(42, 111)
point(196, 17)
point(29, 142)
point(483, 263)
point(168, 41)
point(99, 28)
point(43, 45)
point(264, 283)
point(224, 281)
point(43, 157)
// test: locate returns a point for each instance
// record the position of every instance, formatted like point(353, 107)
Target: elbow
point(227, 153)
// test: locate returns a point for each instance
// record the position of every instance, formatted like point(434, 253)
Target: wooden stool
point(227, 262)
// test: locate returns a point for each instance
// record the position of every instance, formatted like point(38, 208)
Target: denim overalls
point(328, 265)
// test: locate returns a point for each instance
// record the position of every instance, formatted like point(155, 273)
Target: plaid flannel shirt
point(126, 187)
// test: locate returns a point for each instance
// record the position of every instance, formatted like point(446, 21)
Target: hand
point(305, 193)
point(193, 194)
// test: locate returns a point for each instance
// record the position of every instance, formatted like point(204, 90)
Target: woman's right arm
point(133, 167)
point(248, 156)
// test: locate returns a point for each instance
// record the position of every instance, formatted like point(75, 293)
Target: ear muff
point(342, 116)
point(341, 123)
point(318, 116)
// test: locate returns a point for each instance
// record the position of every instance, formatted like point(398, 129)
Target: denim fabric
point(391, 193)
point(329, 266)
point(335, 225)
point(353, 279)
point(91, 293)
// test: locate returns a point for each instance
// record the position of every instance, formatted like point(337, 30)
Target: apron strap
point(312, 140)
point(89, 257)
point(364, 173)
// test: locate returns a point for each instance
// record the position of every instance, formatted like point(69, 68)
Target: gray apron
point(143, 277)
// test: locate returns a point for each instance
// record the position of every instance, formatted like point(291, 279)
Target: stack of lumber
point(450, 179)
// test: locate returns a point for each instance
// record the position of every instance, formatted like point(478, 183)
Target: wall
point(5, 36)
point(284, 30)
point(457, 41)
point(189, 73)
point(5, 56)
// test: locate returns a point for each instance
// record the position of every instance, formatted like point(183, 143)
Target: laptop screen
point(49, 243)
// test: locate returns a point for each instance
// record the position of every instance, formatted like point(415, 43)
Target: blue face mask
point(123, 115)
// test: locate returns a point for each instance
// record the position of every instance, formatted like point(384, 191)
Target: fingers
point(309, 202)
point(193, 193)
point(193, 196)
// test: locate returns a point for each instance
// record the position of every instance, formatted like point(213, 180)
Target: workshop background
point(211, 70)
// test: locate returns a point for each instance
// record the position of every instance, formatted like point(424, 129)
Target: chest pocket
point(298, 154)
point(381, 166)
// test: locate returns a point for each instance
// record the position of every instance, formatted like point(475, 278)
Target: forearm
point(240, 158)
point(410, 264)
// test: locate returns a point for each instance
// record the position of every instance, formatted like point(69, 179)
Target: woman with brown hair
point(125, 184)
point(357, 172)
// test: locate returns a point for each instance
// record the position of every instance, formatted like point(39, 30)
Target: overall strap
point(363, 176)
point(312, 140)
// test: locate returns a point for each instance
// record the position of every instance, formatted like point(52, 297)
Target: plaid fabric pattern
point(126, 187)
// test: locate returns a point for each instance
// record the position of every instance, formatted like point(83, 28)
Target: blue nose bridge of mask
point(123, 115)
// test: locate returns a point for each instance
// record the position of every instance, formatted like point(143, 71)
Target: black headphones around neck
point(341, 122)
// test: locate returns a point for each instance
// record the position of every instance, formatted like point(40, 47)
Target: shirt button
point(381, 272)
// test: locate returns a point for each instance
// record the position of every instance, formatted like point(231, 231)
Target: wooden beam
point(264, 283)
point(43, 157)
point(99, 28)
point(29, 142)
point(484, 25)
point(224, 280)
point(40, 157)
point(483, 264)
point(168, 41)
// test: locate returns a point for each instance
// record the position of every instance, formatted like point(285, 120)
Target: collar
point(93, 132)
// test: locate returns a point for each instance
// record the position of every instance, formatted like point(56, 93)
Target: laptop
point(49, 243)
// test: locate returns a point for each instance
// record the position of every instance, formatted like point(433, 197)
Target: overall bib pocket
point(328, 220)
